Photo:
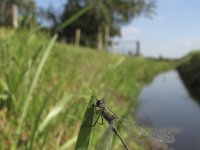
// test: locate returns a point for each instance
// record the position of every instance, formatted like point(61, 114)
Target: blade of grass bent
point(68, 144)
point(33, 86)
point(54, 112)
point(73, 18)
point(39, 114)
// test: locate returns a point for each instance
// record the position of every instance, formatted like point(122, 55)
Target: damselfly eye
point(100, 102)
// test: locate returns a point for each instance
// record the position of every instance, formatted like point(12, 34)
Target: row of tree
point(103, 19)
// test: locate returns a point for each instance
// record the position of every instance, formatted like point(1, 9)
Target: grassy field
point(44, 87)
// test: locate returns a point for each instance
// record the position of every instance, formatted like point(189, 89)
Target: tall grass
point(44, 86)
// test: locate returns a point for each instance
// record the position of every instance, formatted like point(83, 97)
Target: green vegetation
point(85, 133)
point(190, 73)
point(45, 85)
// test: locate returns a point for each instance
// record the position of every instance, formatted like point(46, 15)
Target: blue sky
point(173, 31)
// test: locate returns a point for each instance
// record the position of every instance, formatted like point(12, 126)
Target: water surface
point(166, 103)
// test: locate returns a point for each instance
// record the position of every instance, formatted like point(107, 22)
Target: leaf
point(68, 143)
point(54, 112)
point(73, 18)
point(34, 84)
point(86, 130)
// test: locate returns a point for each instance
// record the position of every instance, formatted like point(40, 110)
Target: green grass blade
point(54, 112)
point(33, 86)
point(41, 65)
point(39, 114)
point(68, 144)
point(86, 130)
point(73, 18)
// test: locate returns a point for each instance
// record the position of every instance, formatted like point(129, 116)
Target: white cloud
point(130, 30)
point(130, 33)
point(191, 43)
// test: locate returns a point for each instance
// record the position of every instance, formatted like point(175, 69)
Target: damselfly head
point(100, 103)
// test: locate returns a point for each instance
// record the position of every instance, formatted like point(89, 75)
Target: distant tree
point(103, 20)
point(26, 11)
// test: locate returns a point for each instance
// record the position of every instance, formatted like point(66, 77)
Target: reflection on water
point(165, 103)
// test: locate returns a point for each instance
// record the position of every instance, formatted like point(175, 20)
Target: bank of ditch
point(189, 71)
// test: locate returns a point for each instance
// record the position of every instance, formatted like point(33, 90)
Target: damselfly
point(102, 111)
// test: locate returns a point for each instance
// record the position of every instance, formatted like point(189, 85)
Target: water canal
point(166, 103)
